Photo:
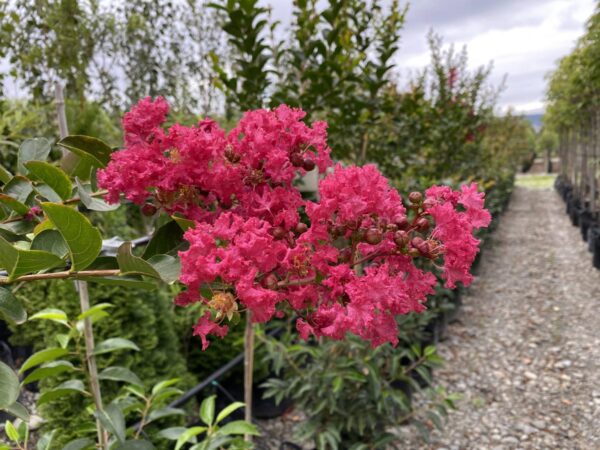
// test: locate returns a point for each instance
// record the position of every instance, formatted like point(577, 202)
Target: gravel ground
point(525, 354)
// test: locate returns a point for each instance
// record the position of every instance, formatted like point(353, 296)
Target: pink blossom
point(205, 326)
point(351, 269)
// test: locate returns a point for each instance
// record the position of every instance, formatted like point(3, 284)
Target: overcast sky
point(524, 38)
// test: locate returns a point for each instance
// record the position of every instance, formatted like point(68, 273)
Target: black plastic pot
point(596, 246)
point(568, 205)
point(574, 215)
point(585, 221)
point(593, 235)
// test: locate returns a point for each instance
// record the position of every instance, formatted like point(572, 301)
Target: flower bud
point(420, 245)
point(278, 232)
point(308, 164)
point(297, 160)
point(339, 230)
point(401, 238)
point(149, 209)
point(414, 252)
point(422, 224)
point(301, 228)
point(402, 223)
point(270, 281)
point(428, 203)
point(391, 227)
point(415, 197)
point(231, 155)
point(344, 255)
point(373, 236)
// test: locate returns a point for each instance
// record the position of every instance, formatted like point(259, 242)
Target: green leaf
point(53, 176)
point(172, 433)
point(207, 410)
point(188, 436)
point(56, 315)
point(158, 387)
point(18, 410)
point(47, 193)
point(94, 309)
point(112, 419)
point(19, 262)
point(84, 241)
point(238, 427)
point(130, 264)
point(15, 205)
point(127, 281)
point(50, 241)
point(79, 444)
point(93, 203)
point(68, 387)
point(9, 386)
point(167, 393)
point(48, 354)
point(137, 444)
point(164, 412)
point(78, 166)
point(165, 239)
point(50, 369)
point(168, 267)
point(63, 339)
point(113, 345)
point(228, 410)
point(337, 383)
point(36, 149)
point(11, 432)
point(184, 224)
point(45, 441)
point(18, 188)
point(5, 175)
point(11, 307)
point(429, 351)
point(88, 147)
point(116, 373)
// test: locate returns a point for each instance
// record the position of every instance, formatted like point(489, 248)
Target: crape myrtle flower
point(362, 258)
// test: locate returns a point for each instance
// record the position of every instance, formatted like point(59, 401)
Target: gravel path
point(525, 354)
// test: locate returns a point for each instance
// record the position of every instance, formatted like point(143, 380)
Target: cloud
point(524, 39)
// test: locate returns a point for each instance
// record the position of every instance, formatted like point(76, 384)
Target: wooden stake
point(82, 289)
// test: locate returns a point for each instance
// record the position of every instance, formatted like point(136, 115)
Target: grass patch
point(541, 181)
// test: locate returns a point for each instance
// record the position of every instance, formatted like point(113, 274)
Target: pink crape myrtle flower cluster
point(349, 266)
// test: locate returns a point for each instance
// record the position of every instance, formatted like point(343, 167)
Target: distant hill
point(535, 119)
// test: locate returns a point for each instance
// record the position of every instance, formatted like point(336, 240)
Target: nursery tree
point(240, 255)
point(49, 41)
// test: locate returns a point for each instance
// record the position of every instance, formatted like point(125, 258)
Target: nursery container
point(574, 215)
point(585, 221)
point(593, 234)
point(596, 246)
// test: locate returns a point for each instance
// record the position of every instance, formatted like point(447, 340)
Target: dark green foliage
point(245, 24)
point(145, 318)
point(351, 393)
point(47, 41)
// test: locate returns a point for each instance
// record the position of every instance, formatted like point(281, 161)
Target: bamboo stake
point(248, 370)
point(82, 289)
